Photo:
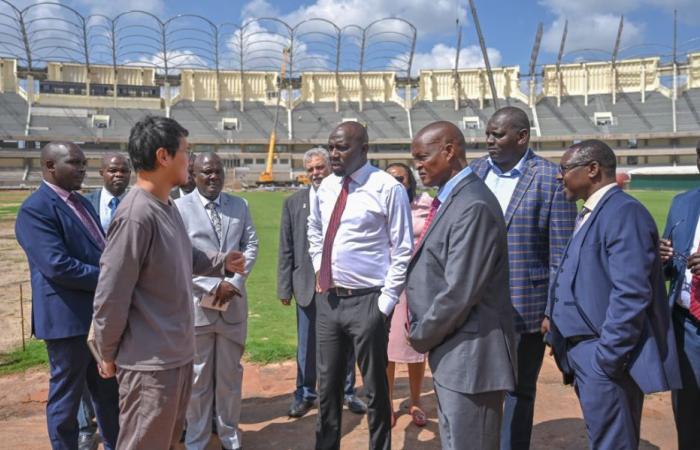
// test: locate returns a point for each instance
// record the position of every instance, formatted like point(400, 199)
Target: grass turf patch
point(19, 360)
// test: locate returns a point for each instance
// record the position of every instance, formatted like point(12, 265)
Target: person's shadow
point(567, 434)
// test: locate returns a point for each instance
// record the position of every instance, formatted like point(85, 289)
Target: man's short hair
point(148, 135)
point(317, 152)
point(594, 150)
point(516, 117)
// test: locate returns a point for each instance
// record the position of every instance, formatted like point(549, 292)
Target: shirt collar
point(595, 198)
point(108, 195)
point(205, 201)
point(446, 189)
point(360, 175)
point(59, 190)
point(512, 173)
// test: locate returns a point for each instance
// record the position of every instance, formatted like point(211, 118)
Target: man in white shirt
point(360, 242)
point(116, 175)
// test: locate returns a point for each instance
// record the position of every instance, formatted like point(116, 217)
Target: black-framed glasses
point(399, 178)
point(563, 169)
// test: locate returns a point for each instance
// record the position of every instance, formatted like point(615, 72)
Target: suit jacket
point(539, 222)
point(63, 261)
point(619, 291)
point(458, 295)
point(680, 229)
point(239, 235)
point(94, 199)
point(295, 271)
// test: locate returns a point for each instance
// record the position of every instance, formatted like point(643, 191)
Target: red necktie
point(695, 296)
point(431, 215)
point(86, 219)
point(325, 275)
point(428, 220)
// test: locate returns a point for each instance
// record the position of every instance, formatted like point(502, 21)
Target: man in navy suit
point(610, 325)
point(60, 233)
point(680, 253)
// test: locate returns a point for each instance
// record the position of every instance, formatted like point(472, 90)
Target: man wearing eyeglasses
point(680, 253)
point(610, 326)
point(539, 221)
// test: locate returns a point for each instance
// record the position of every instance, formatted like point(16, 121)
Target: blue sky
point(509, 25)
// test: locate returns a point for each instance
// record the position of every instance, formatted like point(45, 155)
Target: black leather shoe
point(299, 408)
point(355, 405)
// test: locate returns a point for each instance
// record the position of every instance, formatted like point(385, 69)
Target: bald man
point(62, 238)
point(458, 294)
point(116, 175)
point(360, 241)
point(222, 222)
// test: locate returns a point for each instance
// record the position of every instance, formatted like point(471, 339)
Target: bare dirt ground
point(13, 272)
point(265, 426)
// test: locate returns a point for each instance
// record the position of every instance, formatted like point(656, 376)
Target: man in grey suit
point(458, 294)
point(220, 222)
point(295, 276)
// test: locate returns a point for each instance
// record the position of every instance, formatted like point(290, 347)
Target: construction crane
point(266, 177)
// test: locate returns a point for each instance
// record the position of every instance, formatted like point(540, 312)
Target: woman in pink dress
point(399, 349)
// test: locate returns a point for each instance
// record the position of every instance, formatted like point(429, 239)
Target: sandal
point(418, 417)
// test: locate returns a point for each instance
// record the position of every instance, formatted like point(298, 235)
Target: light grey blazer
point(295, 271)
point(458, 294)
point(238, 234)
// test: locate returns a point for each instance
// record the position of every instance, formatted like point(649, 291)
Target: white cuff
point(386, 305)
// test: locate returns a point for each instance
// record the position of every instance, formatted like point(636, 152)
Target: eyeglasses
point(399, 178)
point(564, 169)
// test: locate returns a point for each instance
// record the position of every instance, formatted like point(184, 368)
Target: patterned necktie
point(86, 219)
point(325, 275)
point(579, 218)
point(112, 205)
point(215, 218)
point(695, 295)
point(431, 215)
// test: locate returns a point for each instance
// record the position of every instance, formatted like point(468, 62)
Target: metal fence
point(52, 32)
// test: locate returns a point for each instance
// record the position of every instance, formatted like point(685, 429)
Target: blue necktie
point(112, 205)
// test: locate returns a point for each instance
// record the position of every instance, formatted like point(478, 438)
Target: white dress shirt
point(593, 201)
point(503, 184)
point(105, 212)
point(374, 241)
point(684, 299)
point(205, 201)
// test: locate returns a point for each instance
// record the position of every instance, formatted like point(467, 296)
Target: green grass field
point(271, 326)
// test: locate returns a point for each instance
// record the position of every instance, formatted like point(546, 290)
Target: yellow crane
point(265, 177)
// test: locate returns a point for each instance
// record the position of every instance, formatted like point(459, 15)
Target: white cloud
point(112, 8)
point(595, 31)
point(428, 16)
point(442, 56)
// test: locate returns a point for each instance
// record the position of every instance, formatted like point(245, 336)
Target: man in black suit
point(116, 175)
point(295, 277)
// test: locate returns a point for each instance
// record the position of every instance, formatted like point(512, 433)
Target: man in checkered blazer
point(539, 222)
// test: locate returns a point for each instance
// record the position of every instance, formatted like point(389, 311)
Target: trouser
point(519, 406)
point(469, 421)
point(612, 408)
point(218, 377)
point(344, 323)
point(306, 356)
point(686, 401)
point(152, 406)
point(72, 366)
point(86, 414)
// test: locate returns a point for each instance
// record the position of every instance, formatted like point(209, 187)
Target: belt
point(345, 292)
point(572, 341)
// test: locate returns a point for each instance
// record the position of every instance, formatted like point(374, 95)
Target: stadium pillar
point(643, 83)
point(586, 84)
